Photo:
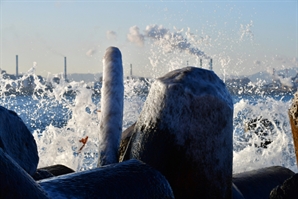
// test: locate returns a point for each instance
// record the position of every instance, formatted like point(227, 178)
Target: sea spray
point(61, 116)
point(55, 120)
point(280, 152)
point(60, 144)
point(135, 93)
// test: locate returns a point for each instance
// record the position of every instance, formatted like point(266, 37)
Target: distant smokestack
point(210, 64)
point(130, 70)
point(201, 63)
point(273, 75)
point(17, 66)
point(65, 75)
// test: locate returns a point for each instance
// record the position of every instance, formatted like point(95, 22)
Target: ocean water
point(58, 123)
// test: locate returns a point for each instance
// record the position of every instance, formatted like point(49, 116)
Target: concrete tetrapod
point(129, 179)
point(17, 141)
point(112, 95)
point(257, 184)
point(185, 131)
point(15, 182)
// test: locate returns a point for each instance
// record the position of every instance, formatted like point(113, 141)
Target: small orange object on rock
point(84, 141)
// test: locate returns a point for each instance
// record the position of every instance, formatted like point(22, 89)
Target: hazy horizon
point(266, 76)
point(242, 37)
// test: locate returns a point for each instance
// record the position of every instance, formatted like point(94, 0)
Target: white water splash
point(279, 152)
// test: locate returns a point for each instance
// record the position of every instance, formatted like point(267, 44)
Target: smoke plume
point(134, 36)
point(168, 40)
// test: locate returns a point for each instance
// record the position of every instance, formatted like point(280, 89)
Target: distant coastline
point(245, 87)
point(26, 84)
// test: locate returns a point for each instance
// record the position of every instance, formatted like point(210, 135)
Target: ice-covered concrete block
point(129, 179)
point(112, 94)
point(15, 182)
point(185, 131)
point(17, 141)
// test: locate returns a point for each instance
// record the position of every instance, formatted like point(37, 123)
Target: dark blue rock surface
point(15, 182)
point(129, 179)
point(17, 141)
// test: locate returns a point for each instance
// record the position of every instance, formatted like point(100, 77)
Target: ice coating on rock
point(181, 89)
point(111, 107)
point(185, 131)
point(17, 141)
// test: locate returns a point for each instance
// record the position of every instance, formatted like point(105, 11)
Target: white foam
point(279, 152)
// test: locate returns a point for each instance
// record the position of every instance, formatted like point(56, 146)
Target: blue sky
point(242, 37)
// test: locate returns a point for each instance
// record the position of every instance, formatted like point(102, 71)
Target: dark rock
point(288, 190)
point(42, 174)
point(15, 182)
point(129, 179)
point(58, 169)
point(51, 171)
point(17, 141)
point(125, 140)
point(257, 184)
point(236, 192)
point(185, 132)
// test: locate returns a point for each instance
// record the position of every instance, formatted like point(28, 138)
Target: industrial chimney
point(65, 75)
point(210, 64)
point(130, 70)
point(17, 67)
